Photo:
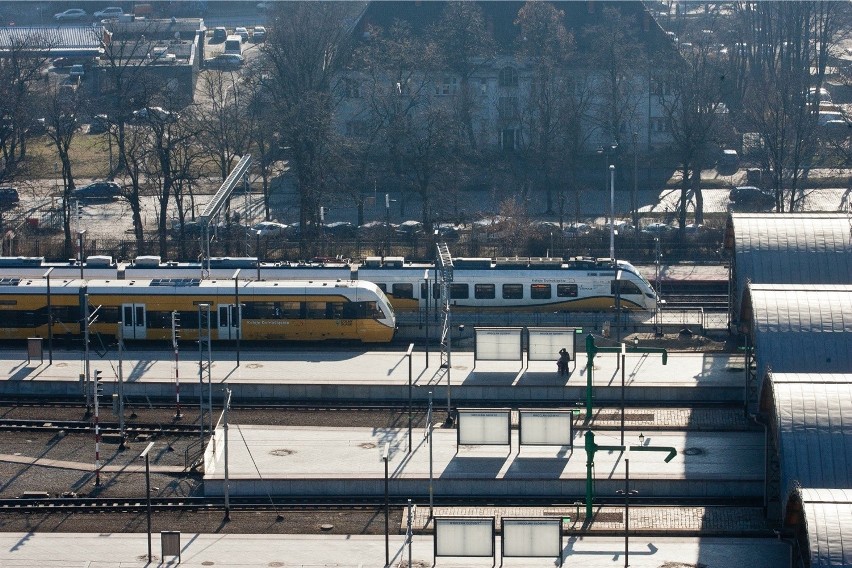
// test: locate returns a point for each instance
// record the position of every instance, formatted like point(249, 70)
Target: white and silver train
point(482, 284)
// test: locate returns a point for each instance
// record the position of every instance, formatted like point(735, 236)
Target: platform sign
point(468, 536)
point(546, 427)
point(498, 343)
point(484, 427)
point(533, 537)
point(545, 343)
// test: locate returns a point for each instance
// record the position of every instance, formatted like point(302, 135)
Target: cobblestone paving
point(696, 419)
point(704, 521)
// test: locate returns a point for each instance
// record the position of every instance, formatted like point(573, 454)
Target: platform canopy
point(828, 521)
point(812, 425)
point(799, 328)
point(788, 248)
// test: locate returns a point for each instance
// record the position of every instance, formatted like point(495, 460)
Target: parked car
point(242, 32)
point(225, 61)
point(658, 229)
point(577, 230)
point(99, 124)
point(729, 159)
point(751, 196)
point(111, 12)
point(258, 34)
point(447, 231)
point(98, 191)
point(219, 35)
point(70, 14)
point(340, 229)
point(409, 228)
point(9, 197)
point(270, 229)
point(153, 114)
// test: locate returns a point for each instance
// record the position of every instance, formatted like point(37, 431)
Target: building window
point(356, 128)
point(448, 86)
point(508, 139)
point(507, 108)
point(660, 124)
point(351, 89)
point(508, 77)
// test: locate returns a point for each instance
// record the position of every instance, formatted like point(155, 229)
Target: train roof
point(167, 286)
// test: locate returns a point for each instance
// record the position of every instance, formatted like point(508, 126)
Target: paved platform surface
point(348, 461)
point(121, 550)
point(295, 365)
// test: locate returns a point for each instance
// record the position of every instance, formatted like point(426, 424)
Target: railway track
point(201, 504)
point(106, 428)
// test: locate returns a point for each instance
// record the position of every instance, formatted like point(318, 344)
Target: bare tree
point(22, 68)
point(546, 46)
point(224, 124)
point(617, 54)
point(306, 49)
point(690, 92)
point(61, 122)
point(466, 46)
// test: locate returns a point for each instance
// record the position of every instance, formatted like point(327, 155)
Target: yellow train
point(288, 310)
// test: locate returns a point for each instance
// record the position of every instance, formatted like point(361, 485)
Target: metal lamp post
point(612, 213)
point(385, 456)
point(144, 454)
point(627, 492)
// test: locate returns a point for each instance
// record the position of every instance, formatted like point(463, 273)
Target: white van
point(234, 44)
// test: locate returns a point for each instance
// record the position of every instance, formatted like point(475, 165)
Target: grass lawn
point(89, 157)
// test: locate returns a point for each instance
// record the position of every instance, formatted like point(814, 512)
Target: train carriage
point(276, 310)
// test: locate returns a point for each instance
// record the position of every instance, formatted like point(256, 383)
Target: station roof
point(789, 248)
point(813, 429)
point(799, 328)
point(828, 519)
point(56, 41)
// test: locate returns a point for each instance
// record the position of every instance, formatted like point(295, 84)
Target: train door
point(133, 321)
point(229, 321)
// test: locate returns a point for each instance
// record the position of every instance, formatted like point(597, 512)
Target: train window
point(566, 290)
point(540, 291)
point(108, 314)
point(382, 287)
point(159, 320)
point(630, 288)
point(261, 310)
point(372, 310)
point(403, 290)
point(8, 302)
point(334, 310)
point(459, 292)
point(128, 314)
point(315, 310)
point(291, 310)
point(483, 291)
point(436, 291)
point(513, 291)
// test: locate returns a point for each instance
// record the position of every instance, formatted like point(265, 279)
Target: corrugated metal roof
point(828, 518)
point(790, 248)
point(814, 429)
point(800, 328)
point(53, 38)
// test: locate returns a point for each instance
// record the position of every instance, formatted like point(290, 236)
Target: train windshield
point(627, 267)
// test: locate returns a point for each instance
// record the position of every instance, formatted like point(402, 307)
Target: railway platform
point(298, 374)
point(304, 461)
point(125, 550)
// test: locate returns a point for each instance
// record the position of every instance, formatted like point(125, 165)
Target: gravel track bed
point(79, 447)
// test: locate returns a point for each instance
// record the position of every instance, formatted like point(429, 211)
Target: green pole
point(591, 448)
point(591, 351)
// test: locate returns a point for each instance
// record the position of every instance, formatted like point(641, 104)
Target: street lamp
point(385, 456)
point(144, 454)
point(627, 492)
